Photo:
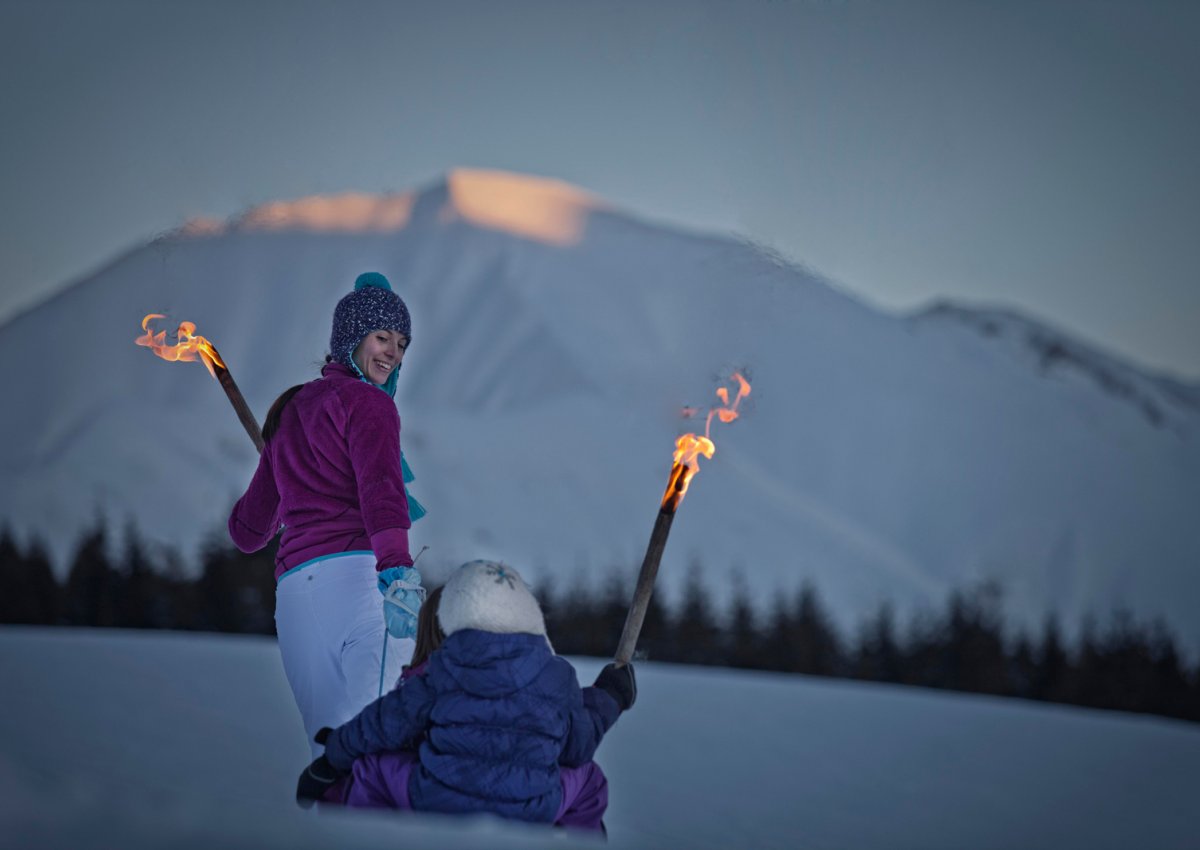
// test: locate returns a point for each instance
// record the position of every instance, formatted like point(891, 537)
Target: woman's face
point(379, 353)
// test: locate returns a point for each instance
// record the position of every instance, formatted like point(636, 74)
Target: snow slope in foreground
point(123, 739)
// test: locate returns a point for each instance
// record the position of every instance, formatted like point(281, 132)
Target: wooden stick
point(649, 571)
point(239, 405)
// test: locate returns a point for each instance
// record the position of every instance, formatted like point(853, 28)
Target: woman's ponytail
point(276, 412)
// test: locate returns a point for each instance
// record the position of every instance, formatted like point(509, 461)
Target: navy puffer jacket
point(495, 716)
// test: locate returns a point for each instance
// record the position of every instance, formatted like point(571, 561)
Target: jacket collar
point(339, 370)
point(343, 371)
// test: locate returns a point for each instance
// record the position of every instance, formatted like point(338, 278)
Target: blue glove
point(402, 598)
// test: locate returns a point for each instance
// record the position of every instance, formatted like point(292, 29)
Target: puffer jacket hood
point(489, 665)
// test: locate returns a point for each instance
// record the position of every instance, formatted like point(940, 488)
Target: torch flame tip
point(189, 347)
point(689, 447)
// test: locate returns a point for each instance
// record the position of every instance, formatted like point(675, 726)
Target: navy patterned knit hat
point(372, 306)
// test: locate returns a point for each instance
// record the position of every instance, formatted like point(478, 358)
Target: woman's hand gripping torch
point(688, 449)
point(191, 347)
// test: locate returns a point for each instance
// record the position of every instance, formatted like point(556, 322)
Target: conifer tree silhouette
point(90, 595)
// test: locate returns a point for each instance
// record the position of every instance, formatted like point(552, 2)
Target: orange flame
point(689, 447)
point(728, 412)
point(189, 347)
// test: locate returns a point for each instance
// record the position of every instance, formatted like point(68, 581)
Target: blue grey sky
point(1041, 155)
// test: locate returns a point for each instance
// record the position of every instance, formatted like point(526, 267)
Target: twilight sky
point(1041, 155)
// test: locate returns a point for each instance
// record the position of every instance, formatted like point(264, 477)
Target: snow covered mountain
point(555, 340)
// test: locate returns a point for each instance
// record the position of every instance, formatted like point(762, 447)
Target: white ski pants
point(336, 652)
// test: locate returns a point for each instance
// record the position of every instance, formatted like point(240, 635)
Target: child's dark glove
point(339, 759)
point(323, 773)
point(619, 683)
point(316, 779)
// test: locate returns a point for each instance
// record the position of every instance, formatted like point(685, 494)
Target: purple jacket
point(331, 476)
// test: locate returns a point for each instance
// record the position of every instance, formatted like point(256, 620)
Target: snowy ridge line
point(1053, 349)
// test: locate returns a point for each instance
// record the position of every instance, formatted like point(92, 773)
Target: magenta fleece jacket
point(331, 476)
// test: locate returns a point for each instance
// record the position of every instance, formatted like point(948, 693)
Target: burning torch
point(688, 449)
point(191, 347)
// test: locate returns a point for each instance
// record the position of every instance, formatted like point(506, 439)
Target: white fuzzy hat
point(491, 597)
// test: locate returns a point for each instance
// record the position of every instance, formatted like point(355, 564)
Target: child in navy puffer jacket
point(498, 721)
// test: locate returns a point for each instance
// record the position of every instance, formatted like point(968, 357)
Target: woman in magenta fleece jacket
point(331, 476)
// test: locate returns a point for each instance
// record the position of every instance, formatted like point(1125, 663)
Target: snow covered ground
point(124, 739)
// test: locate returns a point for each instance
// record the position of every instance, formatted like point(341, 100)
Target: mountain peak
point(349, 212)
point(538, 208)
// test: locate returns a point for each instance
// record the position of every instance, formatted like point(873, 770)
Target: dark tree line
point(124, 584)
point(963, 647)
point(1125, 665)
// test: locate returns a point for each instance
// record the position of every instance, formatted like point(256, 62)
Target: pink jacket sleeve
point(373, 438)
point(255, 518)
